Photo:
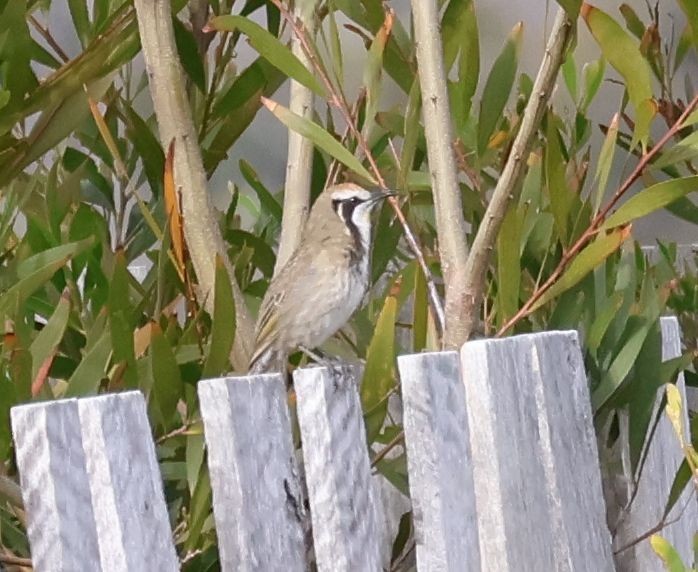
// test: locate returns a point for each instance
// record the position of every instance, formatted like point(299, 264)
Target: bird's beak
point(381, 195)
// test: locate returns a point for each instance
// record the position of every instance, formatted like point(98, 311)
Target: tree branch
point(10, 491)
point(448, 206)
point(508, 184)
point(299, 165)
point(175, 122)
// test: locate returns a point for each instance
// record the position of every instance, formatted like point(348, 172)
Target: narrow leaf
point(92, 368)
point(498, 87)
point(379, 376)
point(319, 136)
point(268, 46)
point(651, 199)
point(585, 262)
point(174, 213)
point(223, 326)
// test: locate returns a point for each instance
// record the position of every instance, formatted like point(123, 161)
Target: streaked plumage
point(323, 282)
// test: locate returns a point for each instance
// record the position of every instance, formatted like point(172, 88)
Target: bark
point(450, 223)
point(204, 240)
point(508, 185)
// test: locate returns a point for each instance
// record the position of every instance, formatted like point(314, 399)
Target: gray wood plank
point(257, 501)
point(663, 458)
point(91, 485)
point(337, 469)
point(535, 462)
point(439, 462)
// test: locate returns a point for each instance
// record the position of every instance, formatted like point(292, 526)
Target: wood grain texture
point(91, 485)
point(439, 463)
point(257, 502)
point(337, 469)
point(663, 458)
point(535, 462)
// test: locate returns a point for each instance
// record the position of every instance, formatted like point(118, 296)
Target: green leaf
point(682, 479)
point(223, 325)
point(268, 46)
point(81, 20)
point(498, 88)
point(91, 370)
point(460, 40)
point(684, 150)
point(605, 162)
point(561, 197)
point(623, 53)
point(622, 363)
point(319, 136)
point(569, 74)
point(593, 74)
point(690, 8)
point(508, 264)
point(194, 459)
point(588, 259)
point(189, 55)
point(267, 200)
point(237, 107)
point(47, 257)
point(379, 374)
point(670, 558)
point(35, 271)
point(632, 21)
point(121, 320)
point(47, 340)
point(651, 199)
point(373, 73)
point(572, 7)
point(167, 382)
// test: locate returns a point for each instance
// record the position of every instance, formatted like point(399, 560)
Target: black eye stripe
point(348, 209)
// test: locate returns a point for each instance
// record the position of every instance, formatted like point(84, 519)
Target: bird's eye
point(354, 200)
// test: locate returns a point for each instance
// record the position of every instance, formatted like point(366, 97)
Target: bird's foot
point(324, 360)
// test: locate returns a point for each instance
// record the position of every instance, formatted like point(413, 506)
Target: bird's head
point(344, 210)
point(353, 204)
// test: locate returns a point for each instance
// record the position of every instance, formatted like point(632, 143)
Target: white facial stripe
point(343, 194)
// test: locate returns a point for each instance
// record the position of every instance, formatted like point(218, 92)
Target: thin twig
point(15, 560)
point(663, 523)
point(178, 431)
point(337, 99)
point(50, 40)
point(394, 442)
point(598, 220)
point(507, 186)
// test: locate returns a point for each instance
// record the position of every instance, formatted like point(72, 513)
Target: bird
point(324, 280)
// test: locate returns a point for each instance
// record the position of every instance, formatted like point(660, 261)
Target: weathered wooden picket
point(502, 459)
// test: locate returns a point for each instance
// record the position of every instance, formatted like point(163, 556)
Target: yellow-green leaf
point(498, 88)
point(509, 264)
point(223, 326)
point(605, 162)
point(670, 558)
point(51, 335)
point(269, 47)
point(379, 375)
point(623, 53)
point(319, 136)
point(651, 199)
point(585, 262)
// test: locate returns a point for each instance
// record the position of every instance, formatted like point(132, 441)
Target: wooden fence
point(502, 458)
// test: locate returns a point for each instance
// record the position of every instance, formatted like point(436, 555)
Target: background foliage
point(84, 192)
